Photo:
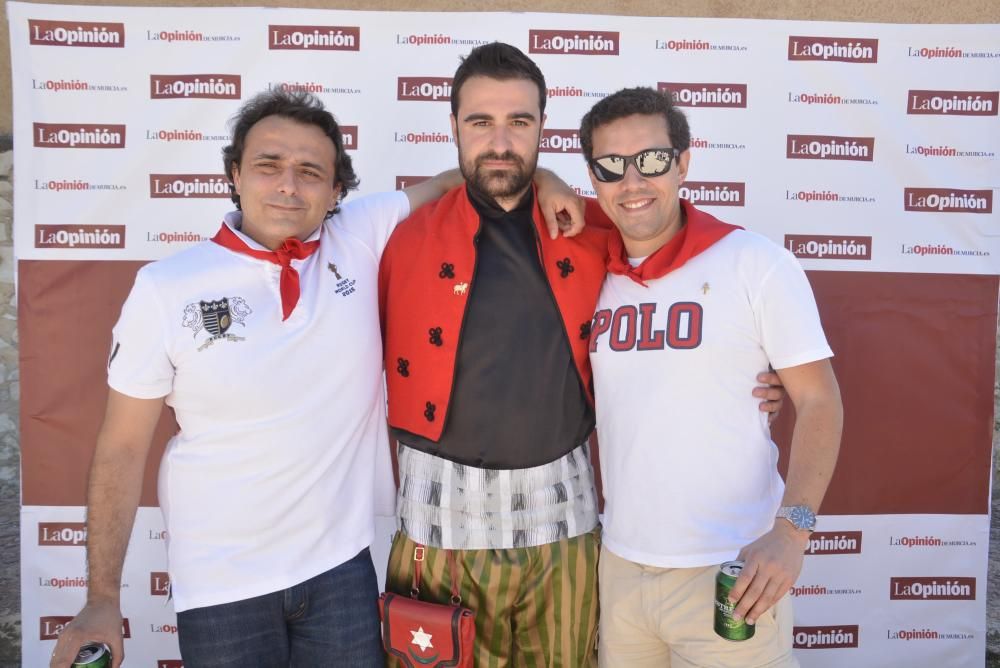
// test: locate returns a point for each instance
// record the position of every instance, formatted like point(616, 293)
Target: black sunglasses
point(649, 163)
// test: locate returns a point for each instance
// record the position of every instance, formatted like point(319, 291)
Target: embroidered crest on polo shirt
point(215, 317)
point(345, 286)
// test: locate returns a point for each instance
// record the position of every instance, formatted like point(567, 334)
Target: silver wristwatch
point(801, 517)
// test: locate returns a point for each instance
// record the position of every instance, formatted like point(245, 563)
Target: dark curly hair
point(297, 106)
point(629, 101)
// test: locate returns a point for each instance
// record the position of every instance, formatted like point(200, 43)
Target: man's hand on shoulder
point(97, 622)
point(561, 206)
point(772, 564)
point(772, 394)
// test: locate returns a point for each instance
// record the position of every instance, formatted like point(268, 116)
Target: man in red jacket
point(486, 322)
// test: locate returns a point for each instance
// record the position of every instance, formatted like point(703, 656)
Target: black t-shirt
point(517, 400)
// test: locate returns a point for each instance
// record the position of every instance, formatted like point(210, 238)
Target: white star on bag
point(421, 639)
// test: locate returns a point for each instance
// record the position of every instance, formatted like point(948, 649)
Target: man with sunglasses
point(689, 469)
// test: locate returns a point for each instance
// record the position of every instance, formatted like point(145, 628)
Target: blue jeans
point(329, 620)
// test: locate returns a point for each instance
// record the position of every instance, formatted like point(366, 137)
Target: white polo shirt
point(689, 469)
point(282, 449)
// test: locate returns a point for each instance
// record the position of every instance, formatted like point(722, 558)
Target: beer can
point(725, 625)
point(93, 655)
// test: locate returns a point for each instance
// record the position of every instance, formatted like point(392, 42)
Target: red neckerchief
point(290, 249)
point(699, 233)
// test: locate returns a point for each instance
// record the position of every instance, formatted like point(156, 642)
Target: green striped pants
point(535, 606)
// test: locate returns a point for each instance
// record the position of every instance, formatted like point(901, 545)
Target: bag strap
point(419, 552)
point(418, 560)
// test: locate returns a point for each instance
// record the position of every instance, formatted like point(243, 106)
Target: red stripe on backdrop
point(66, 310)
point(913, 355)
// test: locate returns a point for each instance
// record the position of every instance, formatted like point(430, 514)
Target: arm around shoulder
point(433, 188)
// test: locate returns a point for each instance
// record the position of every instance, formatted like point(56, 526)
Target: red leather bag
point(428, 635)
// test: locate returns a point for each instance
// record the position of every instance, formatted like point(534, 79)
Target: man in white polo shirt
point(265, 342)
point(689, 468)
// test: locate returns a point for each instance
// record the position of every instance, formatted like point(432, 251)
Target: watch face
point(802, 517)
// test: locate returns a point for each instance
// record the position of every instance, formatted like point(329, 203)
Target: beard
point(498, 183)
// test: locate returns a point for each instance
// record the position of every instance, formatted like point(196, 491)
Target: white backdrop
point(860, 147)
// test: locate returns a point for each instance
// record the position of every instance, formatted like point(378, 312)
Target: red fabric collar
point(290, 249)
point(699, 233)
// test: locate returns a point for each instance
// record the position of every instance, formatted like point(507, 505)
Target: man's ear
point(682, 166)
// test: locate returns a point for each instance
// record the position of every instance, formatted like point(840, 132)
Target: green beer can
point(725, 625)
point(93, 655)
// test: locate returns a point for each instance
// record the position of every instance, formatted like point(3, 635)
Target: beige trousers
point(663, 617)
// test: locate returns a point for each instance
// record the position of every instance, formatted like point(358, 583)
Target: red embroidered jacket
point(425, 280)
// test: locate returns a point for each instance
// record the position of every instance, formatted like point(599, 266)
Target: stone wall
point(10, 478)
